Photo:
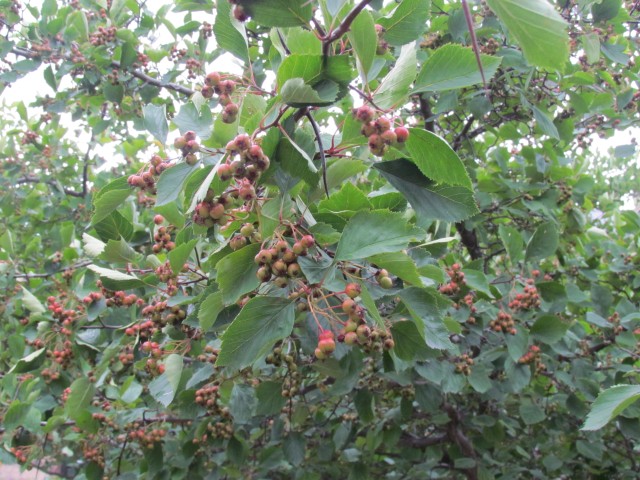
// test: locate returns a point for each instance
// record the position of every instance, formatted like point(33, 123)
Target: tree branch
point(53, 183)
point(323, 159)
point(343, 27)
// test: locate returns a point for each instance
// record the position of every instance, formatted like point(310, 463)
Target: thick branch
point(427, 114)
point(343, 27)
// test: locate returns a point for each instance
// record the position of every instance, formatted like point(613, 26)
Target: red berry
point(352, 290)
point(402, 133)
point(158, 219)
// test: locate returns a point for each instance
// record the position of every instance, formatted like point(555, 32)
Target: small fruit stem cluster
point(215, 84)
point(463, 364)
point(527, 300)
point(533, 356)
point(213, 210)
point(280, 260)
point(162, 237)
point(147, 438)
point(503, 323)
point(245, 160)
point(64, 316)
point(247, 234)
point(383, 278)
point(456, 280)
point(383, 46)
point(146, 181)
point(379, 131)
point(92, 297)
point(188, 146)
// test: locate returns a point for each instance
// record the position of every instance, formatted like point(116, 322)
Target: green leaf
point(107, 203)
point(543, 242)
point(348, 199)
point(549, 329)
point(298, 94)
point(79, 399)
point(199, 121)
point(30, 362)
point(364, 39)
point(436, 159)
point(408, 22)
point(605, 10)
point(425, 309)
point(155, 121)
point(394, 88)
point(262, 322)
point(164, 387)
point(454, 66)
point(179, 255)
point(294, 159)
point(307, 67)
point(430, 202)
point(209, 310)
point(372, 233)
point(118, 251)
point(30, 301)
point(122, 280)
point(92, 246)
point(538, 28)
point(530, 413)
point(237, 273)
point(610, 404)
point(513, 243)
point(409, 342)
point(399, 264)
point(278, 13)
point(545, 123)
point(591, 44)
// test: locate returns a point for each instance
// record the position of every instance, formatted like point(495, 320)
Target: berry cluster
point(247, 234)
point(207, 397)
point(49, 375)
point(165, 274)
point(62, 354)
point(463, 364)
point(92, 297)
point(326, 345)
point(382, 47)
point(145, 329)
point(210, 355)
point(64, 316)
point(245, 160)
point(215, 84)
point(213, 211)
point(379, 131)
point(528, 299)
point(162, 237)
point(503, 323)
point(188, 146)
point(153, 367)
point(533, 356)
point(146, 181)
point(383, 278)
point(93, 454)
point(120, 298)
point(614, 320)
point(161, 314)
point(456, 280)
point(280, 260)
point(21, 454)
point(126, 356)
point(147, 438)
point(103, 36)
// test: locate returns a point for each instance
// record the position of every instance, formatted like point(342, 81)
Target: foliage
point(358, 254)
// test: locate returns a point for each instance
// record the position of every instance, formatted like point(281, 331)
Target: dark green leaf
point(155, 120)
point(610, 404)
point(237, 273)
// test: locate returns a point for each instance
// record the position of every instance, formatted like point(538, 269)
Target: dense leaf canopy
point(319, 239)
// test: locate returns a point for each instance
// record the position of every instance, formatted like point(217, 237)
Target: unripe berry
point(279, 267)
point(299, 249)
point(402, 133)
point(382, 124)
point(263, 274)
point(308, 241)
point(350, 338)
point(207, 91)
point(320, 355)
point(327, 346)
point(224, 99)
point(228, 86)
point(247, 193)
point(190, 135)
point(216, 211)
point(389, 137)
point(364, 114)
point(349, 306)
point(281, 282)
point(180, 143)
point(243, 140)
point(363, 332)
point(212, 79)
point(224, 172)
point(247, 229)
point(352, 290)
point(293, 270)
point(263, 256)
point(191, 159)
point(232, 147)
point(368, 129)
point(385, 282)
point(158, 219)
point(237, 242)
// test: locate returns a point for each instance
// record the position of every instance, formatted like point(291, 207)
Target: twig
point(155, 82)
point(323, 159)
point(474, 42)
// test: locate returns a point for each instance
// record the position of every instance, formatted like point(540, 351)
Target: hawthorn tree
point(319, 239)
